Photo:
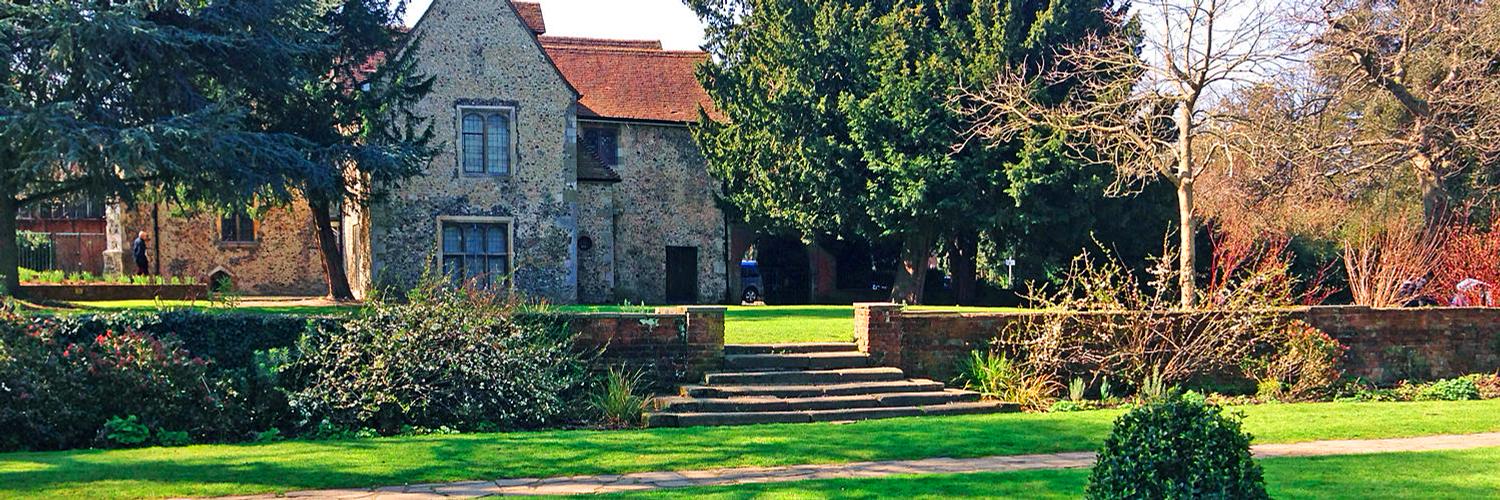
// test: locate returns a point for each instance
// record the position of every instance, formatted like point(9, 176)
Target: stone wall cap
point(615, 314)
point(878, 304)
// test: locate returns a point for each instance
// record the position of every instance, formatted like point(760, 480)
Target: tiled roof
point(627, 80)
point(601, 42)
point(531, 14)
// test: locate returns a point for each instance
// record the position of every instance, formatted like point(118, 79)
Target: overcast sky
point(667, 20)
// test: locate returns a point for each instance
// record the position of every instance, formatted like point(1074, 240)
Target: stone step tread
point(879, 373)
point(771, 403)
point(810, 390)
point(686, 419)
point(791, 348)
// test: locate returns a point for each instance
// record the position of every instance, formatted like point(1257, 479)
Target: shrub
point(995, 376)
point(1176, 449)
point(448, 357)
point(172, 438)
point(617, 401)
point(127, 431)
point(1454, 389)
point(230, 339)
point(1487, 383)
point(1302, 366)
point(60, 392)
point(1104, 320)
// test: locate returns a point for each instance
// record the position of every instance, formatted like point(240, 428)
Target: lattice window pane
point(473, 143)
point(497, 153)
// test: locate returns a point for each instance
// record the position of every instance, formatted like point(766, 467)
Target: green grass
point(1458, 474)
point(259, 468)
point(783, 324)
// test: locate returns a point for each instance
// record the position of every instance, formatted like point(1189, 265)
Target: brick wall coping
point(1288, 310)
point(660, 312)
point(616, 314)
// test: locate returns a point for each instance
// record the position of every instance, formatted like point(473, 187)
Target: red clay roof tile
point(531, 14)
point(619, 79)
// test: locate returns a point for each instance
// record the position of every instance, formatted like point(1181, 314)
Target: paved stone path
point(577, 485)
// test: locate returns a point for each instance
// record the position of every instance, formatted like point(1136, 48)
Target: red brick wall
point(672, 345)
point(1384, 344)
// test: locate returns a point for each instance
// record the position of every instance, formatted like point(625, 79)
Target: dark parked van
point(752, 289)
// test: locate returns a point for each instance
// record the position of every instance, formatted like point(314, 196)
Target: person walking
point(138, 250)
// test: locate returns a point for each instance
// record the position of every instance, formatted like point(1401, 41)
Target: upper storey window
point(603, 143)
point(488, 139)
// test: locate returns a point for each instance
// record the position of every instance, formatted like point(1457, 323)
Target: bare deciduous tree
point(1410, 84)
point(1148, 113)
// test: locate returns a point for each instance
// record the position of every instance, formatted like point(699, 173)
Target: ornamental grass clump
point(999, 377)
point(1176, 449)
point(617, 399)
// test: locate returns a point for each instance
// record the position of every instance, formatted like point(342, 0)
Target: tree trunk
point(328, 245)
point(1434, 195)
point(962, 257)
point(10, 251)
point(911, 274)
point(1187, 246)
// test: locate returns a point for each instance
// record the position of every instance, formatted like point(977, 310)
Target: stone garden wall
point(1385, 345)
point(673, 345)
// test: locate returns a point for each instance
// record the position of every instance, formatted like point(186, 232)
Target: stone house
point(566, 164)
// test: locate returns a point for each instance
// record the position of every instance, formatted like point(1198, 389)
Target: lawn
point(258, 468)
point(742, 324)
point(779, 324)
point(1428, 475)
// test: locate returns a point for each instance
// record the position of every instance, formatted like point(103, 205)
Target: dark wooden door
point(682, 275)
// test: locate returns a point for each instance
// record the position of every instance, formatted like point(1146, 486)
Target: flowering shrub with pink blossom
point(58, 393)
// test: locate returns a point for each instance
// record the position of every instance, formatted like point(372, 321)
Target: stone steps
point(792, 383)
point(875, 374)
point(839, 415)
point(807, 391)
point(771, 403)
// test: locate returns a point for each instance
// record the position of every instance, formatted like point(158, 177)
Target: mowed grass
point(818, 323)
point(1458, 474)
point(207, 470)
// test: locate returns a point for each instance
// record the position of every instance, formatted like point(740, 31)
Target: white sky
point(667, 20)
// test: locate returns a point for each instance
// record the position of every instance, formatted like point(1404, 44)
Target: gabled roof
point(531, 14)
point(631, 80)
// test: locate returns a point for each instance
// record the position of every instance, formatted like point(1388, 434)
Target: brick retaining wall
point(1384, 344)
point(672, 345)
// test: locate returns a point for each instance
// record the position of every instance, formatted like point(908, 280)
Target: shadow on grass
point(241, 469)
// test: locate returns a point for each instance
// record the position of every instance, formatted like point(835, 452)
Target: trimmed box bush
point(1177, 449)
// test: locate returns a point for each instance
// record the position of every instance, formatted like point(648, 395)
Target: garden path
point(576, 485)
